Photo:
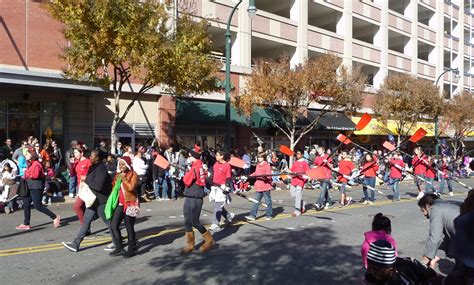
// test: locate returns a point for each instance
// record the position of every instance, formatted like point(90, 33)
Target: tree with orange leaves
point(288, 92)
point(460, 118)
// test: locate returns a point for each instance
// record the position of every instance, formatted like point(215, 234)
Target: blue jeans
point(429, 185)
point(369, 181)
point(324, 195)
point(394, 185)
point(442, 180)
point(268, 200)
point(164, 183)
point(72, 184)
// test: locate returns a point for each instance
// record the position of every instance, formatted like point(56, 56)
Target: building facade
point(423, 38)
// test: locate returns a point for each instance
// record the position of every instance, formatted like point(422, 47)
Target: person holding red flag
point(396, 172)
point(345, 168)
point(323, 160)
point(369, 170)
point(419, 165)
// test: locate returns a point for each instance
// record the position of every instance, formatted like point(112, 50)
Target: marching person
point(396, 172)
point(263, 187)
point(323, 160)
point(419, 165)
point(430, 175)
point(345, 168)
point(34, 176)
point(195, 181)
point(441, 215)
point(128, 197)
point(100, 184)
point(221, 177)
point(447, 169)
point(297, 183)
point(79, 167)
point(369, 170)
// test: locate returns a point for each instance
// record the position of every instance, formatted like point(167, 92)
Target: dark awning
point(194, 112)
point(332, 121)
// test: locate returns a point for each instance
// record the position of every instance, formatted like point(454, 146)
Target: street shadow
point(20, 232)
point(305, 256)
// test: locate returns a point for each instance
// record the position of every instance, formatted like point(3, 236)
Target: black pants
point(141, 185)
point(35, 196)
point(117, 219)
point(191, 211)
point(90, 215)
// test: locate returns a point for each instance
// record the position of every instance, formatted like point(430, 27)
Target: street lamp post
point(455, 70)
point(252, 10)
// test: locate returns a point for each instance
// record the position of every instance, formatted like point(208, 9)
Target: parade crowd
point(112, 186)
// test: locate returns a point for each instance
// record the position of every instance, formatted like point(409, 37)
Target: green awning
point(194, 112)
point(262, 118)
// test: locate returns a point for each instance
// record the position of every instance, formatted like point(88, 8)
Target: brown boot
point(209, 242)
point(190, 243)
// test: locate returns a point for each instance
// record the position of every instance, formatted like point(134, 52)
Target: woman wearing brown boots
point(194, 181)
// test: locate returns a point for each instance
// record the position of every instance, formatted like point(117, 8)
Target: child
point(396, 172)
point(447, 169)
point(381, 229)
point(49, 183)
point(430, 175)
point(345, 169)
point(263, 186)
point(6, 180)
point(297, 183)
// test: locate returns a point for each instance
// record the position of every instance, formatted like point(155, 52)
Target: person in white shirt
point(140, 167)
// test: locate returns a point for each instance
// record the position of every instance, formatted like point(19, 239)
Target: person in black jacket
point(100, 184)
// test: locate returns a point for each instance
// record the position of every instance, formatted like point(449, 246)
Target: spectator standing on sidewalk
point(68, 160)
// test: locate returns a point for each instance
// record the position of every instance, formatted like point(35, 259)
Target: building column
point(299, 13)
point(241, 52)
point(166, 124)
point(439, 48)
point(460, 28)
point(344, 27)
point(411, 49)
point(381, 40)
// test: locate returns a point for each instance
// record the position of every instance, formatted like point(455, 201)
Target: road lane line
point(103, 240)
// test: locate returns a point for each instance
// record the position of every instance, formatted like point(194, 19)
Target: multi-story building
point(421, 37)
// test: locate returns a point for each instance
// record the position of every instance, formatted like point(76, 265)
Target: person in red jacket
point(262, 186)
point(447, 168)
point(430, 175)
point(345, 169)
point(419, 165)
point(34, 176)
point(195, 181)
point(79, 168)
point(323, 160)
point(396, 172)
point(369, 170)
point(300, 166)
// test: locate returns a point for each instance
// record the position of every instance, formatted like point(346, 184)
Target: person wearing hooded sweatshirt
point(34, 176)
point(195, 181)
point(262, 186)
point(127, 197)
point(381, 229)
point(100, 184)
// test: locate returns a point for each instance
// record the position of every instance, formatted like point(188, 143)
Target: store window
point(20, 119)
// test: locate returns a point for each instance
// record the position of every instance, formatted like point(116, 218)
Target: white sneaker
point(214, 228)
point(268, 218)
point(159, 199)
point(371, 203)
point(71, 195)
point(230, 217)
point(420, 195)
point(326, 206)
point(366, 202)
point(110, 247)
point(166, 199)
point(451, 194)
point(55, 195)
point(250, 218)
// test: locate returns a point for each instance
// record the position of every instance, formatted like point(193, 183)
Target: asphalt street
point(316, 248)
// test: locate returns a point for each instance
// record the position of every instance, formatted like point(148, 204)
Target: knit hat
point(195, 152)
point(127, 161)
point(381, 253)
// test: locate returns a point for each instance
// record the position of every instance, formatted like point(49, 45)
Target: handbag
point(86, 194)
point(133, 208)
point(23, 189)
